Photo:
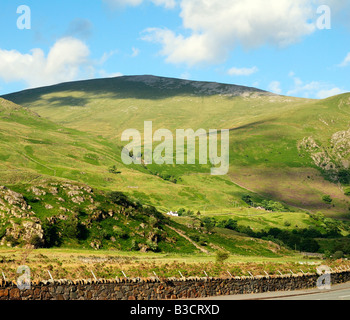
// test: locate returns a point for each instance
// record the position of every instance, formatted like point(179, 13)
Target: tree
point(222, 256)
point(209, 224)
point(248, 199)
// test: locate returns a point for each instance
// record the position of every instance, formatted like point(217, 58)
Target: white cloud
point(242, 71)
point(217, 26)
point(64, 62)
point(105, 74)
point(135, 52)
point(106, 56)
point(275, 87)
point(323, 94)
point(313, 89)
point(169, 4)
point(346, 61)
point(67, 60)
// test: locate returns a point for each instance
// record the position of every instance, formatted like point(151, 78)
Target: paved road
point(337, 292)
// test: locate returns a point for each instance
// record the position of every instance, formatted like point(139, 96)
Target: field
point(84, 264)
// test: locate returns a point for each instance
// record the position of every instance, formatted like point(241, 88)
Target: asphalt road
point(337, 292)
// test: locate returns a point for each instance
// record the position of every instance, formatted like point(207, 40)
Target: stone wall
point(160, 289)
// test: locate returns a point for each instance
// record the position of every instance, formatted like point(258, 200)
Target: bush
point(248, 199)
point(181, 212)
point(13, 242)
point(36, 241)
point(338, 255)
point(327, 199)
point(347, 191)
point(113, 169)
point(153, 246)
point(222, 256)
point(228, 224)
point(209, 224)
point(287, 223)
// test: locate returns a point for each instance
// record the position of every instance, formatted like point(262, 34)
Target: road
point(337, 292)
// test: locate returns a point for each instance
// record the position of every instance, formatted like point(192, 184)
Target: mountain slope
point(288, 149)
point(34, 149)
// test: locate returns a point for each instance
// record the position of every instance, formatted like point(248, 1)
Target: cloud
point(242, 71)
point(135, 52)
point(105, 74)
point(80, 28)
point(67, 60)
point(115, 4)
point(323, 94)
point(215, 27)
point(275, 87)
point(313, 89)
point(346, 61)
point(106, 56)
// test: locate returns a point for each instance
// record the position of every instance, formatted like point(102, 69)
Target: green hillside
point(60, 159)
point(290, 150)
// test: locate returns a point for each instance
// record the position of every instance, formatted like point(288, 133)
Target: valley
point(62, 174)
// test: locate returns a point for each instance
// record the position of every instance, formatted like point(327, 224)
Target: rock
point(53, 190)
point(78, 200)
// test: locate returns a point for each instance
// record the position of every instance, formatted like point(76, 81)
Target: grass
point(77, 264)
point(265, 133)
point(77, 138)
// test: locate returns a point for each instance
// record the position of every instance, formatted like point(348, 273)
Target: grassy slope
point(266, 131)
point(33, 148)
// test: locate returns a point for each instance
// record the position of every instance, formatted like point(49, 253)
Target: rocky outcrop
point(330, 157)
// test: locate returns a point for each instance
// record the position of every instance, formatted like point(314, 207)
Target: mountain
point(285, 149)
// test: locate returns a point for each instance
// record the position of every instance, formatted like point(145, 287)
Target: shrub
point(338, 255)
point(153, 246)
point(36, 241)
point(113, 169)
point(222, 256)
point(11, 239)
point(247, 199)
point(327, 199)
point(287, 223)
point(347, 191)
point(209, 224)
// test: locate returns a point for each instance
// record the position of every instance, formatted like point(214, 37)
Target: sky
point(298, 48)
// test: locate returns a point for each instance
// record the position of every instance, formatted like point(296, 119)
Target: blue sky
point(275, 45)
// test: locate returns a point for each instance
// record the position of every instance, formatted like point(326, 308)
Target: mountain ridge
point(149, 81)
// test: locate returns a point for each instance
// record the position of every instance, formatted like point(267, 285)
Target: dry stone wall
point(161, 289)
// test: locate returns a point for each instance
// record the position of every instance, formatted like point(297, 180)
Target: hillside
point(287, 149)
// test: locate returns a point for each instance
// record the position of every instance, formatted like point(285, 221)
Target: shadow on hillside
point(68, 102)
point(147, 87)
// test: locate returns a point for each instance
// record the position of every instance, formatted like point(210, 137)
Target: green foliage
point(327, 199)
point(120, 198)
point(221, 256)
point(228, 224)
point(272, 206)
point(209, 224)
point(347, 191)
point(36, 241)
point(287, 223)
point(113, 169)
point(269, 205)
point(248, 199)
point(338, 255)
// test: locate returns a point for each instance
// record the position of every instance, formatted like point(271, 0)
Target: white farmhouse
point(173, 214)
